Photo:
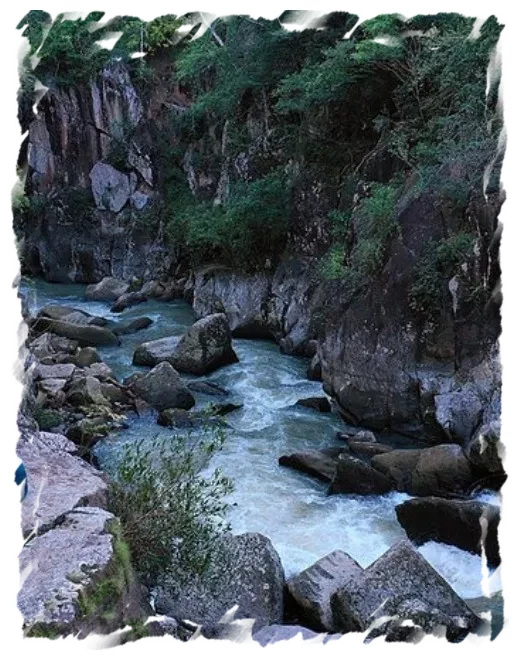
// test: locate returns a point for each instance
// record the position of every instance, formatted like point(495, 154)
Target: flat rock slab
point(53, 371)
point(314, 463)
point(313, 588)
point(151, 353)
point(402, 584)
point(84, 335)
point(246, 572)
point(455, 522)
point(57, 566)
point(57, 481)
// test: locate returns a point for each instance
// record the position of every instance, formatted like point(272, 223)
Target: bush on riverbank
point(170, 514)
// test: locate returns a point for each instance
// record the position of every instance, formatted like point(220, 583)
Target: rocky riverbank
point(68, 500)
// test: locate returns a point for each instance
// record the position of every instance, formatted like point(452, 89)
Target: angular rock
point(314, 463)
point(108, 289)
point(150, 353)
point(398, 465)
point(62, 371)
point(85, 391)
point(85, 335)
point(152, 289)
point(128, 300)
point(402, 584)
point(320, 403)
point(110, 187)
point(49, 344)
point(57, 481)
point(353, 476)
point(206, 346)
point(99, 370)
point(64, 313)
point(313, 588)
point(163, 388)
point(246, 572)
point(52, 385)
point(462, 523)
point(114, 393)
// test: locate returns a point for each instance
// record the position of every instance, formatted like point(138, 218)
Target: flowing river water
point(290, 508)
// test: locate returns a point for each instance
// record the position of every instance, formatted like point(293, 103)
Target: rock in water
point(132, 326)
point(314, 463)
point(246, 571)
point(440, 470)
point(313, 588)
point(354, 476)
point(85, 335)
point(320, 403)
point(128, 300)
point(456, 522)
point(108, 289)
point(401, 584)
point(151, 353)
point(206, 346)
point(163, 388)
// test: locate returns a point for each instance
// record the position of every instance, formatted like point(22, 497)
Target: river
point(290, 508)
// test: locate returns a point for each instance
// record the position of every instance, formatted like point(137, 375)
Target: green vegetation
point(170, 513)
point(269, 116)
point(47, 418)
point(439, 263)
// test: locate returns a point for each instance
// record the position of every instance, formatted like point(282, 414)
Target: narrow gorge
point(272, 254)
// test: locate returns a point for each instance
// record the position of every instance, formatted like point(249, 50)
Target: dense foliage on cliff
point(343, 123)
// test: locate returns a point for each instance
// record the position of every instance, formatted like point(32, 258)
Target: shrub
point(170, 514)
point(46, 418)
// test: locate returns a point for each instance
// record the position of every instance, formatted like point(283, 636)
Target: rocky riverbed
point(340, 498)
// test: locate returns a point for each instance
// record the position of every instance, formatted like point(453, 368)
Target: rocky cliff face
point(387, 365)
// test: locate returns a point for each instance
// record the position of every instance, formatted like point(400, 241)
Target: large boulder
point(354, 476)
point(398, 465)
point(150, 353)
point(57, 481)
point(442, 470)
point(128, 300)
point(246, 572)
point(314, 463)
point(76, 579)
point(403, 585)
point(465, 524)
point(163, 388)
point(108, 289)
point(84, 335)
point(313, 588)
point(132, 326)
point(110, 187)
point(206, 346)
point(64, 313)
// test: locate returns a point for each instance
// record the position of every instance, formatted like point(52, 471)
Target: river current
point(290, 508)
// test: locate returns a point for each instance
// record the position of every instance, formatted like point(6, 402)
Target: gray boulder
point(131, 326)
point(48, 344)
point(440, 470)
point(402, 584)
point(64, 313)
point(110, 187)
point(398, 465)
point(465, 524)
point(206, 346)
point(84, 335)
point(313, 588)
point(108, 289)
point(314, 463)
point(75, 580)
point(367, 449)
point(85, 391)
point(163, 388)
point(57, 481)
point(353, 476)
point(62, 371)
point(52, 386)
point(128, 300)
point(150, 353)
point(246, 572)
point(85, 357)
